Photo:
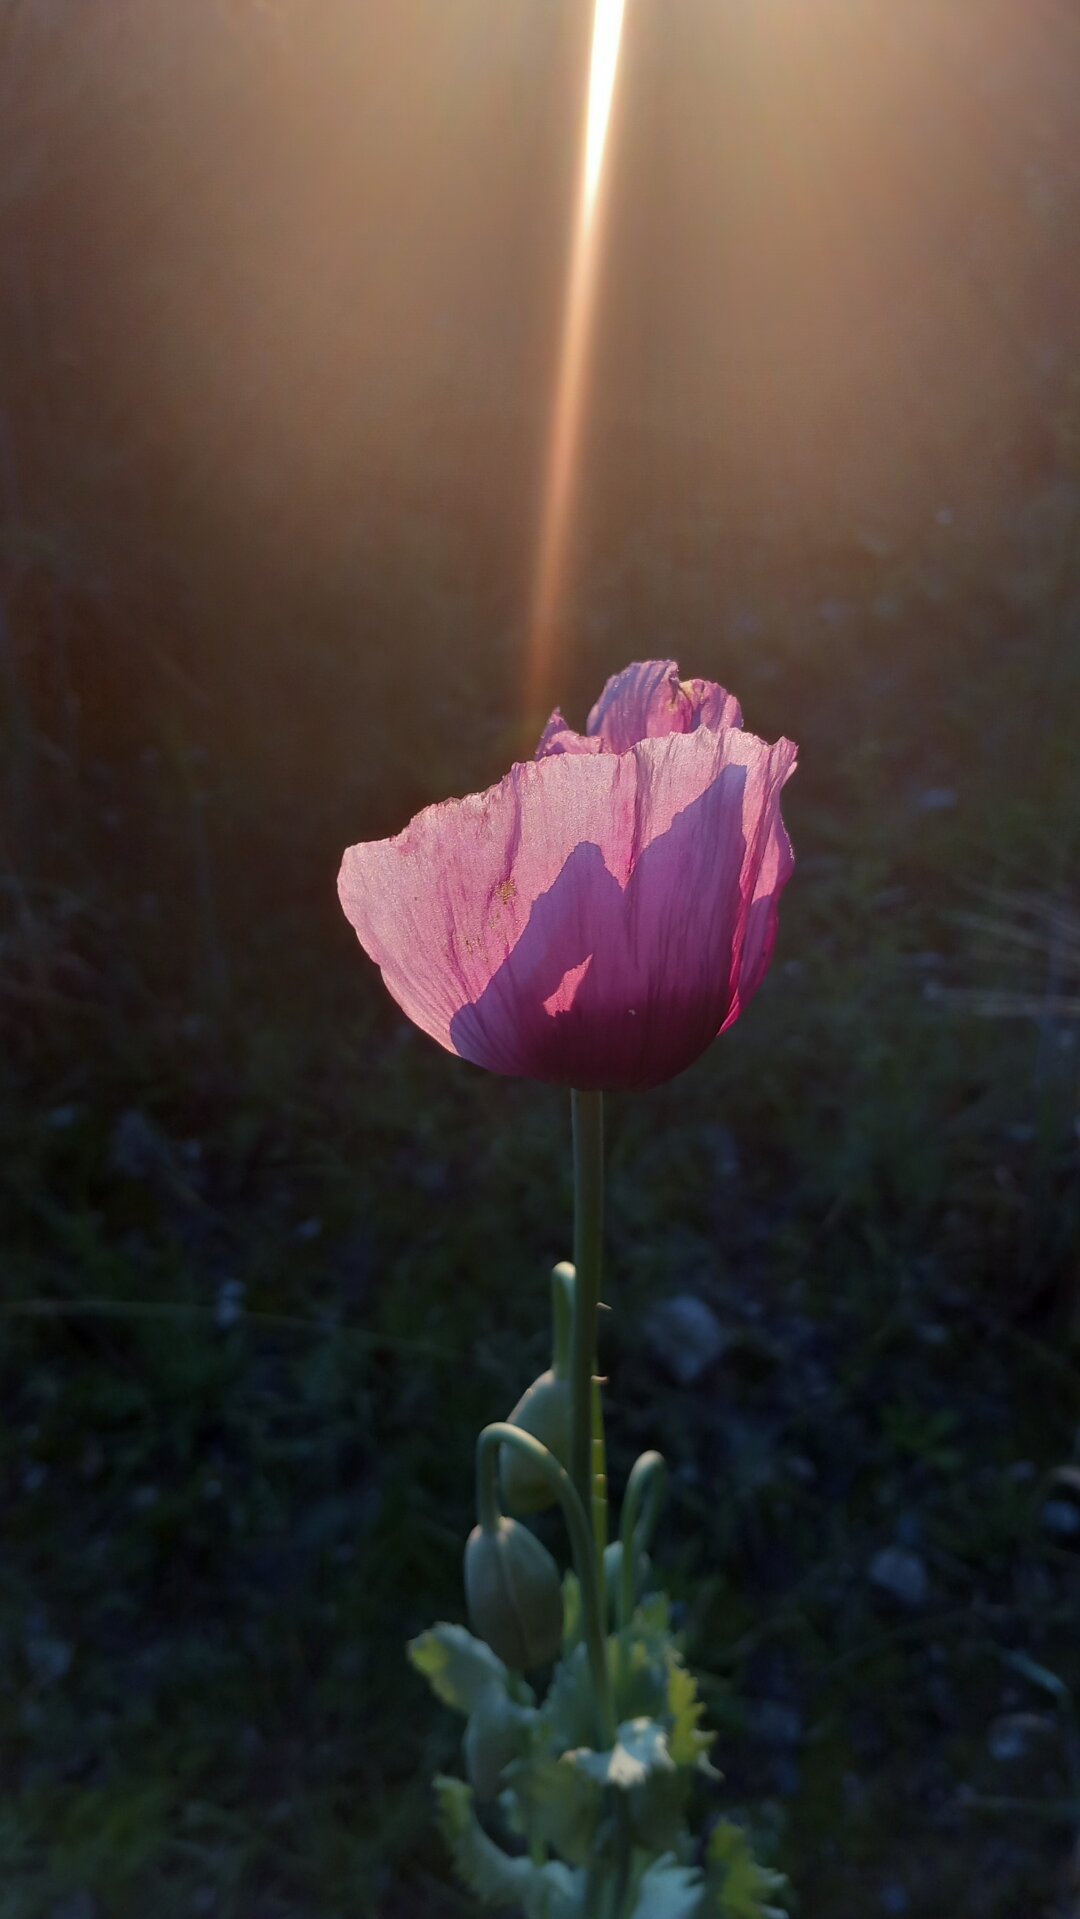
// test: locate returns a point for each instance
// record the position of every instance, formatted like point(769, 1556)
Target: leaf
point(738, 1888)
point(551, 1891)
point(640, 1750)
point(640, 1675)
point(669, 1891)
point(688, 1742)
point(457, 1667)
point(645, 1651)
point(569, 1709)
point(555, 1804)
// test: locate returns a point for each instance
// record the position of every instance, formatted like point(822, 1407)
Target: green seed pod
point(514, 1594)
point(544, 1411)
point(496, 1734)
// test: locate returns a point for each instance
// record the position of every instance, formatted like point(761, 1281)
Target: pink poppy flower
point(607, 909)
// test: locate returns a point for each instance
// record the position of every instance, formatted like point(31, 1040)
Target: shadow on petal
point(617, 986)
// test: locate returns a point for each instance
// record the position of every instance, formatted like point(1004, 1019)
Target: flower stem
point(587, 1439)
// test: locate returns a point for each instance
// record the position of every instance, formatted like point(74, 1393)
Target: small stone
point(1061, 1518)
point(902, 1575)
point(686, 1336)
point(1018, 1736)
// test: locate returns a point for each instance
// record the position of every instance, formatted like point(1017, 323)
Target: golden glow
point(607, 33)
point(569, 392)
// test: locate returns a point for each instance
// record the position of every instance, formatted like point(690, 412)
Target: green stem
point(599, 1478)
point(645, 1486)
point(581, 1545)
point(588, 1117)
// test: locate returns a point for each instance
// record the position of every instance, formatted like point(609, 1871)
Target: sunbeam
point(569, 394)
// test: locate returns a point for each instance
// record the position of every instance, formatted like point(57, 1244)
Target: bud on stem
point(514, 1594)
point(492, 1524)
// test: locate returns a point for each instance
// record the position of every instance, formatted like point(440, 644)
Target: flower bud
point(514, 1594)
point(495, 1735)
point(544, 1411)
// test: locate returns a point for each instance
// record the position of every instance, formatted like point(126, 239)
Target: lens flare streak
point(577, 325)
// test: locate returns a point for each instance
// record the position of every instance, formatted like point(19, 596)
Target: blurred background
point(281, 309)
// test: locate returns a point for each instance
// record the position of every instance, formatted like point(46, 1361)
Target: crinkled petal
point(582, 922)
point(710, 704)
point(648, 701)
point(558, 737)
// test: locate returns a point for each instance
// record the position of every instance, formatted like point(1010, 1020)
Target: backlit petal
point(596, 918)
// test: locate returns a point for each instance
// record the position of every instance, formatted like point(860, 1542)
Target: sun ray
point(562, 463)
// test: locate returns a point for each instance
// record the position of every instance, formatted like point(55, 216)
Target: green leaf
point(551, 1891)
point(555, 1804)
point(640, 1676)
point(569, 1710)
point(645, 1652)
point(668, 1891)
point(738, 1888)
point(688, 1742)
point(457, 1667)
point(640, 1750)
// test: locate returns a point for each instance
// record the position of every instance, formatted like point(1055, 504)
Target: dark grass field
point(269, 1258)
